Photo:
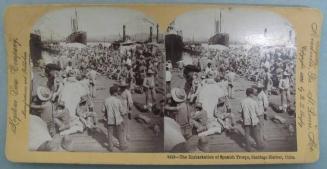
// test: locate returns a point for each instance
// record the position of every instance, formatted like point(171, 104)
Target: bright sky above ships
point(242, 25)
point(99, 23)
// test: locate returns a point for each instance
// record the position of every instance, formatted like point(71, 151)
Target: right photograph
point(230, 82)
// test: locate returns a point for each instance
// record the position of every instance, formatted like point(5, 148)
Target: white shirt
point(38, 133)
point(168, 76)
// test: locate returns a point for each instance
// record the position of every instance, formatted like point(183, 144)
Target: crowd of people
point(64, 104)
point(203, 107)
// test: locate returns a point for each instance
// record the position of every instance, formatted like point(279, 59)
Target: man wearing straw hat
point(42, 107)
point(179, 108)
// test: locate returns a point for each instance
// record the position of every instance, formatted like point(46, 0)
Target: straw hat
point(198, 105)
point(61, 103)
point(259, 85)
point(150, 71)
point(221, 100)
point(84, 98)
point(178, 95)
point(43, 93)
point(122, 84)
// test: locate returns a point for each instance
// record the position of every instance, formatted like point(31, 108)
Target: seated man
point(85, 112)
point(199, 118)
point(223, 114)
point(62, 117)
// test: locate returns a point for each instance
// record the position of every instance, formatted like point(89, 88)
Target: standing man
point(149, 88)
point(127, 101)
point(263, 104)
point(92, 74)
point(230, 76)
point(250, 111)
point(168, 77)
point(284, 85)
point(114, 110)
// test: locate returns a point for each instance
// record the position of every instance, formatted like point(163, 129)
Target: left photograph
point(97, 82)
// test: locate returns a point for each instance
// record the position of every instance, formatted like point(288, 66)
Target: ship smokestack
point(150, 38)
point(124, 33)
point(157, 33)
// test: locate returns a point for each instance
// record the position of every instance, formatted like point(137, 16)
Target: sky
point(243, 25)
point(99, 23)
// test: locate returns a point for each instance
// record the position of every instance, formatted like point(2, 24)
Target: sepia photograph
point(97, 81)
point(230, 82)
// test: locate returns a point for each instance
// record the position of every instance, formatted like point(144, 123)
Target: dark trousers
point(255, 133)
point(120, 136)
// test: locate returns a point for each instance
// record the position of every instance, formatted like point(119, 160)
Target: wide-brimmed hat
point(178, 95)
point(122, 84)
point(210, 74)
point(221, 100)
point(61, 103)
point(43, 93)
point(150, 71)
point(84, 98)
point(71, 73)
point(259, 85)
point(198, 105)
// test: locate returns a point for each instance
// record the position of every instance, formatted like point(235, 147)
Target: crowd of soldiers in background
point(272, 71)
point(72, 75)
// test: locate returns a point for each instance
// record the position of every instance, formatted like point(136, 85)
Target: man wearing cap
point(230, 76)
point(263, 104)
point(199, 118)
point(284, 85)
point(42, 107)
point(149, 88)
point(114, 111)
point(92, 74)
point(250, 111)
point(262, 99)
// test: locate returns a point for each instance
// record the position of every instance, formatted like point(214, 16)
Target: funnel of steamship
point(76, 36)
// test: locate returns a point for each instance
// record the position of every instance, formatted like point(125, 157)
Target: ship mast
point(76, 20)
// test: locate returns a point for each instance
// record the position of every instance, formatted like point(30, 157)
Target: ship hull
point(35, 48)
point(219, 39)
point(77, 37)
point(174, 48)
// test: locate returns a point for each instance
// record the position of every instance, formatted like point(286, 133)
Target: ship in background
point(35, 47)
point(76, 36)
point(219, 38)
point(174, 44)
